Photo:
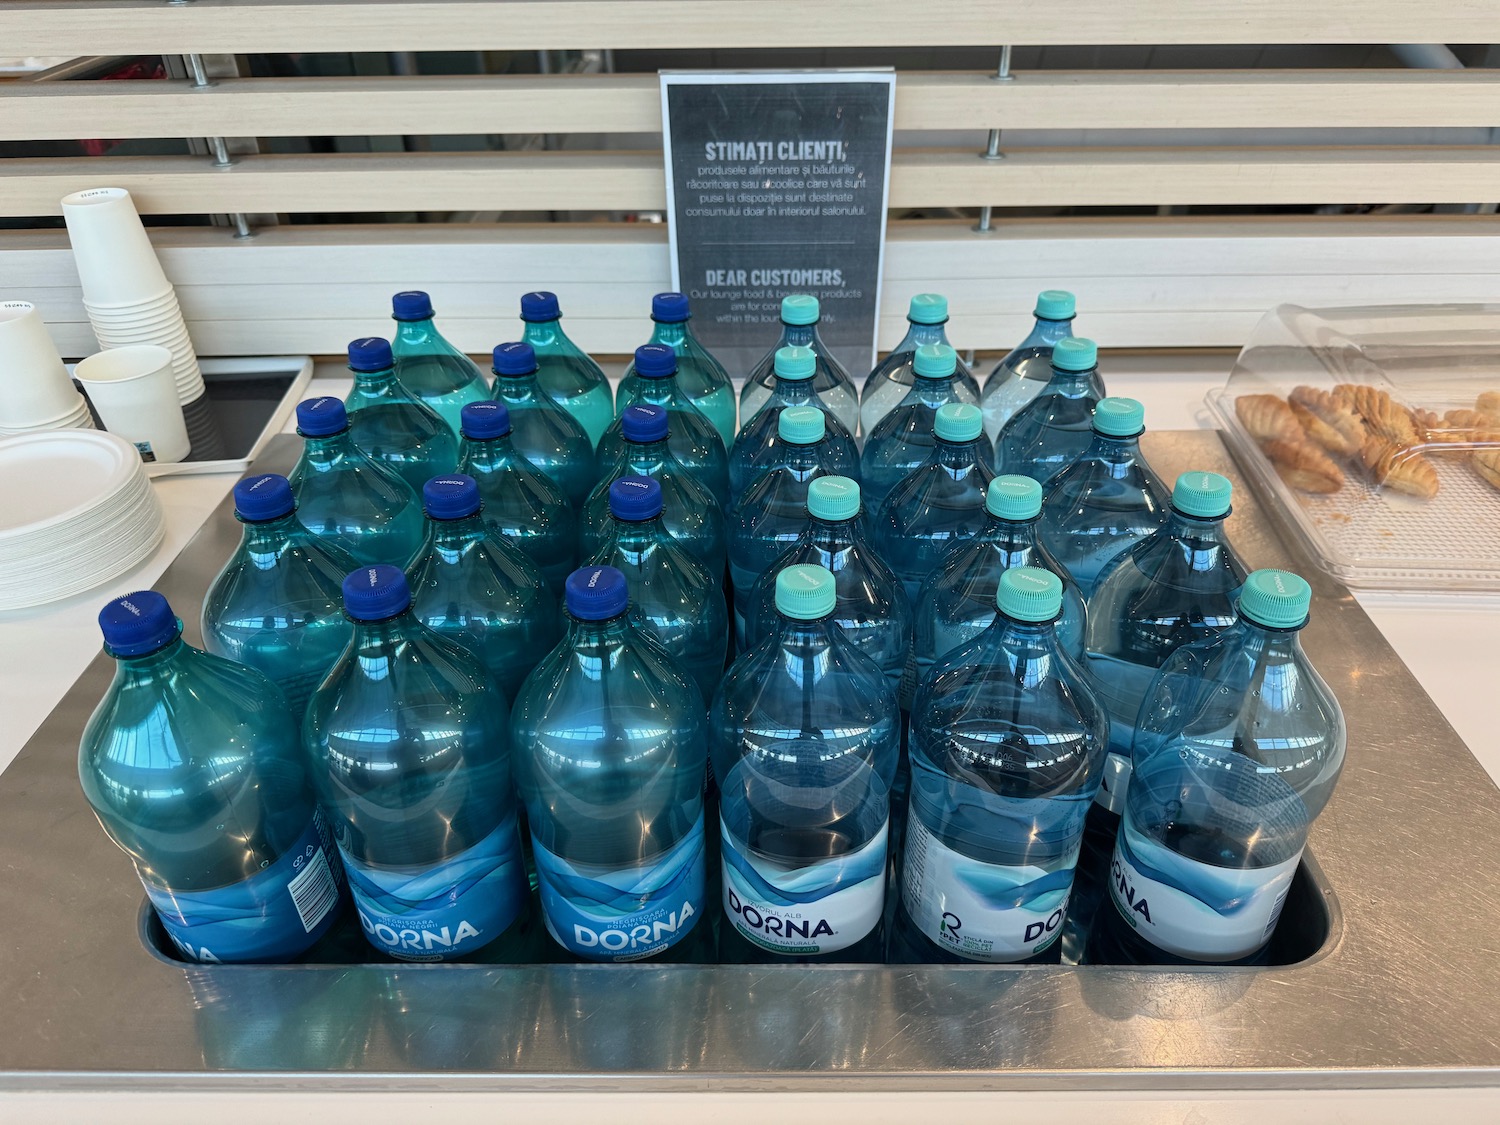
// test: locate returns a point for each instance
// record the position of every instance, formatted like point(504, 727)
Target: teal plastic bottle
point(551, 438)
point(701, 376)
point(891, 378)
point(1052, 431)
point(903, 439)
point(390, 423)
point(1020, 376)
point(564, 371)
point(428, 365)
point(831, 383)
point(757, 447)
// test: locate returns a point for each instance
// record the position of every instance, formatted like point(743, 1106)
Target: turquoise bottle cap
point(1056, 304)
point(1203, 495)
point(1076, 353)
point(1277, 599)
point(805, 592)
point(801, 425)
point(1028, 593)
point(833, 498)
point(1013, 498)
point(958, 421)
point(928, 308)
point(1119, 417)
point(799, 308)
point(935, 361)
point(796, 363)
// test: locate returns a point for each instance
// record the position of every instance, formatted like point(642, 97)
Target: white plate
point(48, 479)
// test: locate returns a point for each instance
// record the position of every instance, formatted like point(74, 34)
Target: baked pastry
point(1336, 415)
point(1488, 404)
point(1303, 466)
point(1453, 433)
point(1399, 468)
point(1382, 415)
point(1267, 418)
point(1486, 463)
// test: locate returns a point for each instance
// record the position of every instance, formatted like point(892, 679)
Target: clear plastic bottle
point(891, 378)
point(757, 447)
point(938, 503)
point(390, 423)
point(805, 734)
point(1026, 368)
point(675, 597)
point(1050, 432)
point(346, 498)
point(428, 365)
point(1007, 749)
point(524, 505)
point(799, 328)
point(1108, 500)
point(902, 440)
point(192, 765)
point(564, 371)
point(408, 740)
point(548, 436)
point(471, 585)
point(701, 376)
point(278, 605)
point(611, 760)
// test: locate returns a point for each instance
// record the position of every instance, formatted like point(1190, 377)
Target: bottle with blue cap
point(701, 377)
point(408, 737)
point(689, 511)
point(805, 734)
point(565, 372)
point(939, 502)
point(676, 598)
point(346, 498)
point(183, 744)
point(1007, 749)
point(758, 445)
point(831, 382)
point(390, 423)
point(277, 604)
point(1108, 500)
point(472, 585)
point(1052, 431)
point(544, 433)
point(892, 378)
point(428, 365)
point(903, 439)
point(1020, 376)
point(611, 761)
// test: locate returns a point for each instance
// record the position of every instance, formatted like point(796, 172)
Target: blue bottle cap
point(1028, 593)
point(1076, 353)
point(450, 498)
point(934, 361)
point(1277, 599)
point(799, 308)
point(540, 305)
point(1119, 417)
point(370, 353)
point(958, 421)
point(596, 593)
point(138, 623)
point(411, 304)
point(266, 497)
point(635, 499)
point(655, 361)
point(1204, 496)
point(481, 420)
point(1056, 304)
point(928, 308)
point(833, 498)
point(805, 592)
point(795, 363)
point(644, 422)
point(670, 308)
point(801, 425)
point(514, 358)
point(1013, 498)
point(319, 417)
point(373, 593)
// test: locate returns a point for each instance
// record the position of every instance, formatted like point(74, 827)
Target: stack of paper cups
point(35, 390)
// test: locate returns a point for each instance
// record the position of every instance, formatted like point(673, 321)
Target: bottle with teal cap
point(702, 377)
point(805, 734)
point(939, 502)
point(277, 605)
point(346, 498)
point(565, 373)
point(1020, 376)
point(428, 365)
point(543, 432)
point(523, 505)
point(1007, 749)
point(831, 382)
point(892, 378)
point(1108, 500)
point(1050, 432)
point(758, 445)
point(390, 423)
point(903, 439)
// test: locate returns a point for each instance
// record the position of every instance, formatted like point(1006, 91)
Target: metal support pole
point(992, 148)
point(217, 145)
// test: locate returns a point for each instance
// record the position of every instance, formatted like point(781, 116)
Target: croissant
point(1399, 468)
point(1303, 466)
point(1267, 418)
point(1333, 414)
point(1457, 429)
point(1486, 463)
point(1489, 404)
point(1382, 415)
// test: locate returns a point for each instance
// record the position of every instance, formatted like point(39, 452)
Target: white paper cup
point(137, 318)
point(34, 386)
point(115, 260)
point(133, 391)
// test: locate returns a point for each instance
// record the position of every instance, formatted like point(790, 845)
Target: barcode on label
point(1276, 912)
point(313, 891)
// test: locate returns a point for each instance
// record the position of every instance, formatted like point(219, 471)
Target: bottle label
point(809, 909)
point(1196, 910)
point(271, 916)
point(622, 913)
point(982, 911)
point(443, 910)
point(1113, 783)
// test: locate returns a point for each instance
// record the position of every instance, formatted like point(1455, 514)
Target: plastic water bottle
point(694, 441)
point(192, 765)
point(676, 598)
point(958, 603)
point(471, 585)
point(700, 376)
point(940, 502)
point(428, 365)
point(1007, 749)
point(870, 606)
point(277, 605)
point(548, 436)
point(408, 739)
point(564, 372)
point(1108, 500)
point(1026, 368)
point(346, 498)
point(805, 734)
point(891, 379)
point(689, 511)
point(902, 440)
point(758, 447)
point(612, 758)
point(521, 503)
point(831, 383)
point(390, 423)
point(1050, 432)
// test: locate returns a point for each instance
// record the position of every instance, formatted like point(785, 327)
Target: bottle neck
point(795, 392)
point(799, 335)
point(1197, 533)
point(796, 634)
point(586, 635)
point(455, 535)
point(637, 538)
point(1027, 648)
point(327, 450)
point(416, 332)
point(1015, 537)
point(833, 536)
point(375, 382)
point(934, 392)
point(264, 539)
point(1120, 451)
point(1047, 333)
point(488, 454)
point(514, 388)
point(673, 335)
point(803, 459)
point(1073, 383)
point(645, 453)
point(543, 333)
point(1264, 645)
point(657, 390)
point(150, 665)
point(920, 335)
point(374, 640)
point(958, 454)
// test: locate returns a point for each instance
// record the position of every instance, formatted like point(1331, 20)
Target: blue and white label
point(271, 916)
point(622, 913)
point(804, 909)
point(982, 911)
point(443, 910)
